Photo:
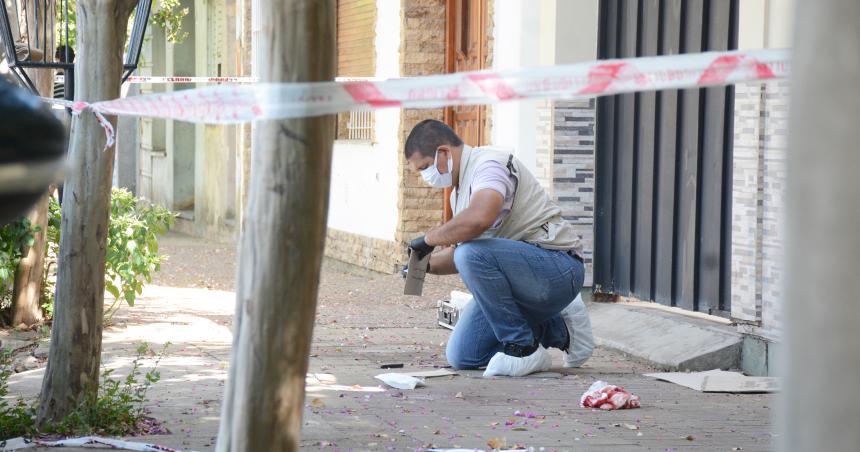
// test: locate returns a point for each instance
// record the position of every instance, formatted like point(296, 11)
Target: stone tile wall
point(543, 157)
point(746, 208)
point(761, 120)
point(573, 169)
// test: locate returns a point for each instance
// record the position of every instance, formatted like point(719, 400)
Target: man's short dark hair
point(61, 54)
point(428, 135)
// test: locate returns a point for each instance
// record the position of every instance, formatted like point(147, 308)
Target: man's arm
point(442, 262)
point(482, 212)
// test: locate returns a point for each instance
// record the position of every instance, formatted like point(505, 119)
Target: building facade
point(199, 171)
point(377, 205)
point(558, 140)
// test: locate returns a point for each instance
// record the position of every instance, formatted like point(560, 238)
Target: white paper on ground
point(400, 381)
point(719, 381)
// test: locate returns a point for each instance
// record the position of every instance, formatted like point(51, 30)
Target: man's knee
point(468, 255)
point(457, 358)
point(454, 357)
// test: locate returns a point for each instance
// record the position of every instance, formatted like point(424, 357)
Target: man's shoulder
point(491, 168)
point(493, 150)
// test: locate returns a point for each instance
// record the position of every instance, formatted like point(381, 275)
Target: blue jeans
point(519, 292)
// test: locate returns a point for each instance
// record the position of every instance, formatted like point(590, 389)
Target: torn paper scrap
point(400, 381)
point(608, 397)
point(719, 381)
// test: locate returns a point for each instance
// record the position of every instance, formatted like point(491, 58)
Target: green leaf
point(129, 298)
point(112, 289)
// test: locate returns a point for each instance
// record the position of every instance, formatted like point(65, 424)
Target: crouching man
point(516, 254)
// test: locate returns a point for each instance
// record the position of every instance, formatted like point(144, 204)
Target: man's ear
point(447, 150)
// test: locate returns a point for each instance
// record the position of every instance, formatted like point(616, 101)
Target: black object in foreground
point(32, 149)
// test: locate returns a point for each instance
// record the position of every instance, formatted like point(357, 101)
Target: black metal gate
point(664, 162)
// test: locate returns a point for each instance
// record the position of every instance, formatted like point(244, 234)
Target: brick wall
point(759, 172)
point(573, 169)
point(422, 52)
point(379, 255)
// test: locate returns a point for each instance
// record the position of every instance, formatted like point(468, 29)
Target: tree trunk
point(282, 240)
point(76, 336)
point(821, 402)
point(27, 291)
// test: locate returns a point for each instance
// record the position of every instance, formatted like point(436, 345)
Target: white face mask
point(436, 179)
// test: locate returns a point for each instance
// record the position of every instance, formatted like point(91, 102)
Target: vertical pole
point(282, 237)
point(821, 400)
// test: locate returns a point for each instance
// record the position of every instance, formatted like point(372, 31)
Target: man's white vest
point(533, 218)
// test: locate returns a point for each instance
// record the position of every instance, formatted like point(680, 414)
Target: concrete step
point(667, 339)
point(184, 222)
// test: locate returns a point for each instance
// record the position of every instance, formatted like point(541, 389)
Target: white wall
point(765, 24)
point(363, 197)
point(516, 32)
point(576, 31)
point(526, 34)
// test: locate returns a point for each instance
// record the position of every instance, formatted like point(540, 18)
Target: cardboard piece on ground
point(719, 381)
point(411, 380)
point(431, 373)
point(478, 450)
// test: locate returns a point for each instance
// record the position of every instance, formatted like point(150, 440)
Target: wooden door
point(466, 48)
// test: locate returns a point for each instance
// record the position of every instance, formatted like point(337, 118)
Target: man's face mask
point(434, 178)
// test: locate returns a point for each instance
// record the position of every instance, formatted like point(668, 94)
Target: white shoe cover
point(505, 365)
point(576, 318)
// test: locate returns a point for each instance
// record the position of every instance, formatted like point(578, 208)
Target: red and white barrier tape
point(79, 107)
point(145, 79)
point(160, 80)
point(235, 104)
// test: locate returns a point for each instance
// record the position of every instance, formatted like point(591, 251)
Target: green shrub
point(52, 249)
point(116, 409)
point(132, 246)
point(16, 419)
point(13, 237)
